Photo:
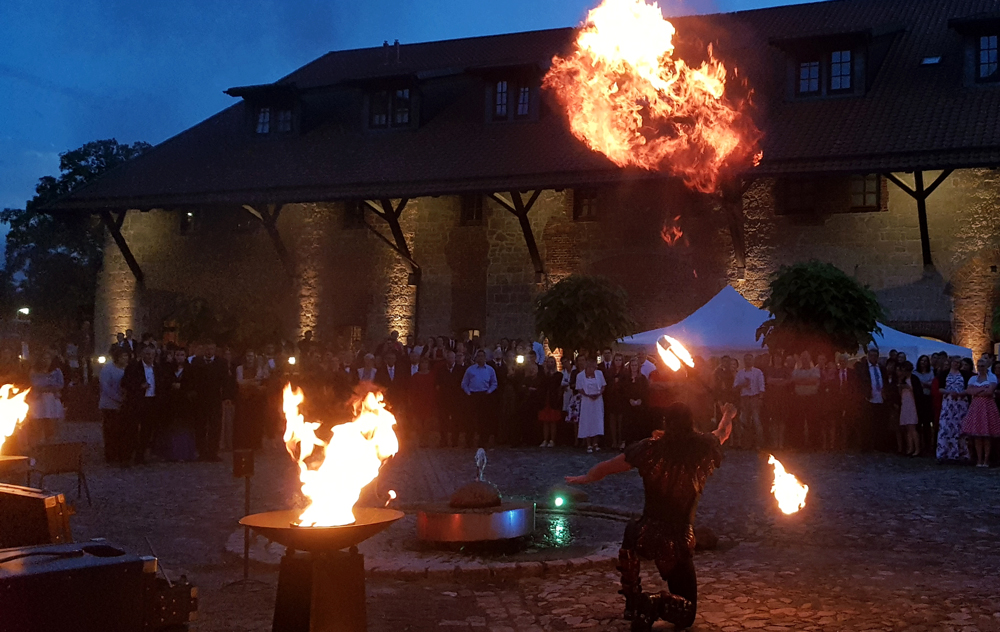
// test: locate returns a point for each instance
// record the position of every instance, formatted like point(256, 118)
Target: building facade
point(434, 189)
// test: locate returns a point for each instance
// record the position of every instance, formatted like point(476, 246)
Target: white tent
point(727, 325)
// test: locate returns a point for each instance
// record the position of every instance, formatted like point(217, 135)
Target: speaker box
point(30, 517)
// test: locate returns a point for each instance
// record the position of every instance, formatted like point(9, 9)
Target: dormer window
point(511, 100)
point(809, 77)
point(390, 108)
point(264, 120)
point(840, 70)
point(987, 68)
point(284, 121)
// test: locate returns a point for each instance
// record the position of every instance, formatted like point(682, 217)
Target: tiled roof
point(911, 117)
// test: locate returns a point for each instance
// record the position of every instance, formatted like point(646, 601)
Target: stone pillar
point(116, 300)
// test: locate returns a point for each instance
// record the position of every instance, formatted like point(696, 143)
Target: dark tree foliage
point(816, 307)
point(583, 312)
point(52, 259)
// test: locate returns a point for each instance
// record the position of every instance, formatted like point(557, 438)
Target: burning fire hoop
point(673, 353)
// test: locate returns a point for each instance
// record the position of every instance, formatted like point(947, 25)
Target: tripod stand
point(243, 466)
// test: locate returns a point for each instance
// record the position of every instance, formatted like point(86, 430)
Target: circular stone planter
point(442, 523)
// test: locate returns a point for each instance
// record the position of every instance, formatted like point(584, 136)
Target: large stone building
point(435, 187)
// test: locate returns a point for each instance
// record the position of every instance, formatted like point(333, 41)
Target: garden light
point(101, 359)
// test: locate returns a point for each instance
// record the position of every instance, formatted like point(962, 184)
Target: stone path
point(884, 543)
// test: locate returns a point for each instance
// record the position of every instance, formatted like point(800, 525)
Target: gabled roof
point(912, 116)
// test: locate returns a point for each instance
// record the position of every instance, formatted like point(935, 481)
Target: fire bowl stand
point(321, 586)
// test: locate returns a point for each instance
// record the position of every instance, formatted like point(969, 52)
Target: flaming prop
point(628, 97)
point(674, 353)
point(13, 410)
point(789, 492)
point(333, 473)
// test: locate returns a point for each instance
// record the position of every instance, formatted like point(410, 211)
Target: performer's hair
point(677, 419)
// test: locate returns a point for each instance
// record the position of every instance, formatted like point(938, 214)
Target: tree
point(52, 259)
point(815, 306)
point(583, 312)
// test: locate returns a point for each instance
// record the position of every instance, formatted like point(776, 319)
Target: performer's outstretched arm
point(726, 424)
point(602, 469)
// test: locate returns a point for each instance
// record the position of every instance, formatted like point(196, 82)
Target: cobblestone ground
point(884, 543)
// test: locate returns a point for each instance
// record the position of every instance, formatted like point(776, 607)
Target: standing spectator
point(871, 379)
point(366, 373)
point(414, 363)
point(723, 379)
point(951, 447)
point(177, 431)
point(422, 408)
point(635, 393)
point(573, 409)
point(982, 421)
point(892, 430)
point(450, 401)
point(842, 400)
point(925, 401)
point(110, 403)
point(46, 408)
point(130, 342)
point(750, 383)
point(550, 389)
point(645, 366)
point(306, 344)
point(614, 401)
point(528, 403)
point(604, 366)
point(393, 380)
point(142, 382)
point(806, 378)
point(538, 347)
point(909, 386)
point(479, 382)
point(509, 377)
point(210, 383)
point(590, 384)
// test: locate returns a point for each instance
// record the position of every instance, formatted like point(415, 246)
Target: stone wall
point(480, 276)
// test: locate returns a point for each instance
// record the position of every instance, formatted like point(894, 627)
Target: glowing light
point(559, 501)
point(13, 410)
point(678, 350)
point(101, 359)
point(291, 360)
point(790, 494)
point(334, 473)
point(24, 310)
point(674, 353)
point(520, 359)
point(627, 97)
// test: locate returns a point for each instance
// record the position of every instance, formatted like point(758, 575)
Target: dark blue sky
point(76, 71)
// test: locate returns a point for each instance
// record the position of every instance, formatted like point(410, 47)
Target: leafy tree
point(815, 306)
point(52, 259)
point(583, 312)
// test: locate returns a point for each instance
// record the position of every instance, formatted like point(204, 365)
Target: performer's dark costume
point(674, 469)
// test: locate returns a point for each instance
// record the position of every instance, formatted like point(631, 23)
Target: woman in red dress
point(423, 405)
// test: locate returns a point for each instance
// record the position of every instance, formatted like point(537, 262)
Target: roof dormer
point(272, 109)
point(980, 38)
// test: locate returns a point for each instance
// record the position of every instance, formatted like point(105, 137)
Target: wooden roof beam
point(519, 208)
point(114, 226)
point(268, 216)
point(920, 194)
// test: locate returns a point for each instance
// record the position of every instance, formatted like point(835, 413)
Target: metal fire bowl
point(277, 527)
point(448, 524)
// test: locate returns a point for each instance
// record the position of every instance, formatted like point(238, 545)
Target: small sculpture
point(479, 493)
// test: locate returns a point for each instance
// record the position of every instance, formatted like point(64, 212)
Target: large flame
point(333, 474)
point(13, 410)
point(673, 353)
point(629, 98)
point(789, 492)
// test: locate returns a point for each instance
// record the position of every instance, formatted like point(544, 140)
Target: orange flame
point(674, 353)
point(671, 231)
point(790, 494)
point(627, 97)
point(333, 473)
point(13, 410)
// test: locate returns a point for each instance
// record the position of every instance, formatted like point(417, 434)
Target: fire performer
point(674, 464)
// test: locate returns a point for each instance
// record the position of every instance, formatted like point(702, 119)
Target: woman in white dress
point(590, 386)
point(45, 406)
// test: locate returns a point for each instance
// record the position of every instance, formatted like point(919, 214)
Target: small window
point(988, 59)
point(466, 335)
point(284, 121)
point(809, 77)
point(840, 71)
point(865, 192)
point(472, 210)
point(799, 196)
point(523, 101)
point(189, 222)
point(401, 107)
point(264, 121)
point(584, 205)
point(354, 214)
point(500, 101)
point(380, 109)
point(931, 61)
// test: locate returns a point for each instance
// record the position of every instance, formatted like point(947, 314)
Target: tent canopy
point(727, 325)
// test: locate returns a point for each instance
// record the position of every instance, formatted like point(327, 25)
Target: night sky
point(72, 72)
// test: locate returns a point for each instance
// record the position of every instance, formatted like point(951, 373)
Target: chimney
point(385, 49)
point(396, 44)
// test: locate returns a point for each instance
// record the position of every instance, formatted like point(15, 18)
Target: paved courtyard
point(884, 543)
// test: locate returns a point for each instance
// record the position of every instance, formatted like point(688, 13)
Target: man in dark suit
point(144, 384)
point(844, 406)
point(450, 399)
point(209, 381)
point(393, 379)
point(870, 376)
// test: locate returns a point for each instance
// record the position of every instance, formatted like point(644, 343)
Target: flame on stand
point(674, 353)
point(333, 474)
point(13, 410)
point(627, 97)
point(790, 494)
